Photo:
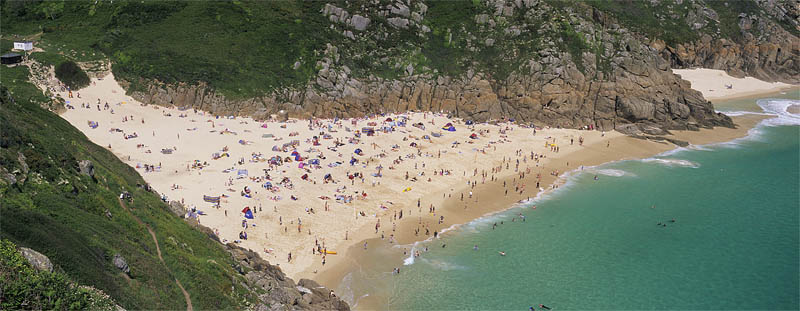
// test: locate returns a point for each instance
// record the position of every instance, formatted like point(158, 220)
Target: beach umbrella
point(247, 213)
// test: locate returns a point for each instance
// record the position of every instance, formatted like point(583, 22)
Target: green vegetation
point(73, 76)
point(450, 23)
point(24, 286)
point(241, 48)
point(651, 19)
point(77, 221)
point(574, 43)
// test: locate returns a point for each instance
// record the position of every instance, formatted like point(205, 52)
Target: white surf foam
point(613, 172)
point(672, 162)
point(780, 109)
point(443, 265)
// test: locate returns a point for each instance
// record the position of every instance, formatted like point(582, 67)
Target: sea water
point(608, 239)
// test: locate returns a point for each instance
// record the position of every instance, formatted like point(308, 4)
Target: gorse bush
point(72, 75)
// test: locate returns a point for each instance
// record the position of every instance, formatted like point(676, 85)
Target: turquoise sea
point(597, 243)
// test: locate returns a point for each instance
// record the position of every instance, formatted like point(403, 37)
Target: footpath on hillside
point(158, 250)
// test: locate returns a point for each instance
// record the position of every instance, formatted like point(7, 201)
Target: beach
point(314, 185)
point(717, 85)
point(328, 186)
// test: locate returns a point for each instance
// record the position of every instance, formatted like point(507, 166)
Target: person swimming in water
point(475, 248)
point(544, 307)
point(502, 253)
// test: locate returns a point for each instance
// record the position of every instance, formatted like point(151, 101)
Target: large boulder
point(121, 264)
point(36, 259)
point(86, 168)
point(177, 208)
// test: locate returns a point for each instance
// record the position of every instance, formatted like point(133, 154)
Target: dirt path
point(158, 250)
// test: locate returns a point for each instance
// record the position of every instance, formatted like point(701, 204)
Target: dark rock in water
point(36, 259)
point(121, 264)
point(86, 168)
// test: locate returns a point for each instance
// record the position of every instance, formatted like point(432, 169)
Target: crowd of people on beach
point(342, 160)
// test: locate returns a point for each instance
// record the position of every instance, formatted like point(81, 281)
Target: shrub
point(24, 287)
point(72, 75)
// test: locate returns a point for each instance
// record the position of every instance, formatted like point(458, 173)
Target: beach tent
point(275, 148)
point(247, 213)
point(357, 151)
point(473, 136)
point(314, 161)
point(469, 122)
point(241, 173)
point(211, 199)
point(449, 127)
point(413, 144)
point(388, 120)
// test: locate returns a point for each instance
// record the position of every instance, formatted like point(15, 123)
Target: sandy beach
point(318, 186)
point(323, 184)
point(717, 85)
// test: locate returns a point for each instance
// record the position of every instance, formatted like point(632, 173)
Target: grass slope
point(41, 290)
point(62, 214)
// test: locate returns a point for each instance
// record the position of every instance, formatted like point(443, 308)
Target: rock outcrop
point(281, 293)
point(121, 264)
point(36, 259)
point(86, 167)
point(762, 48)
point(612, 78)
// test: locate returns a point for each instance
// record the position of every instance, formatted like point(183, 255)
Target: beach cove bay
point(705, 227)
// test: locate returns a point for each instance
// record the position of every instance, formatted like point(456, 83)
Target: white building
point(23, 45)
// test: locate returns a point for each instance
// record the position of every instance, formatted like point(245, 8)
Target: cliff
point(576, 69)
point(549, 62)
point(757, 45)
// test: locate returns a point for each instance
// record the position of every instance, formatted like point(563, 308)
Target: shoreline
point(186, 169)
point(713, 84)
point(755, 94)
point(342, 229)
point(634, 148)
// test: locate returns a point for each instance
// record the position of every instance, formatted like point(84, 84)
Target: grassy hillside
point(41, 290)
point(78, 222)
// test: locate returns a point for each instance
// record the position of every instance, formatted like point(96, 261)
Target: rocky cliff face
point(279, 291)
point(575, 67)
point(764, 50)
